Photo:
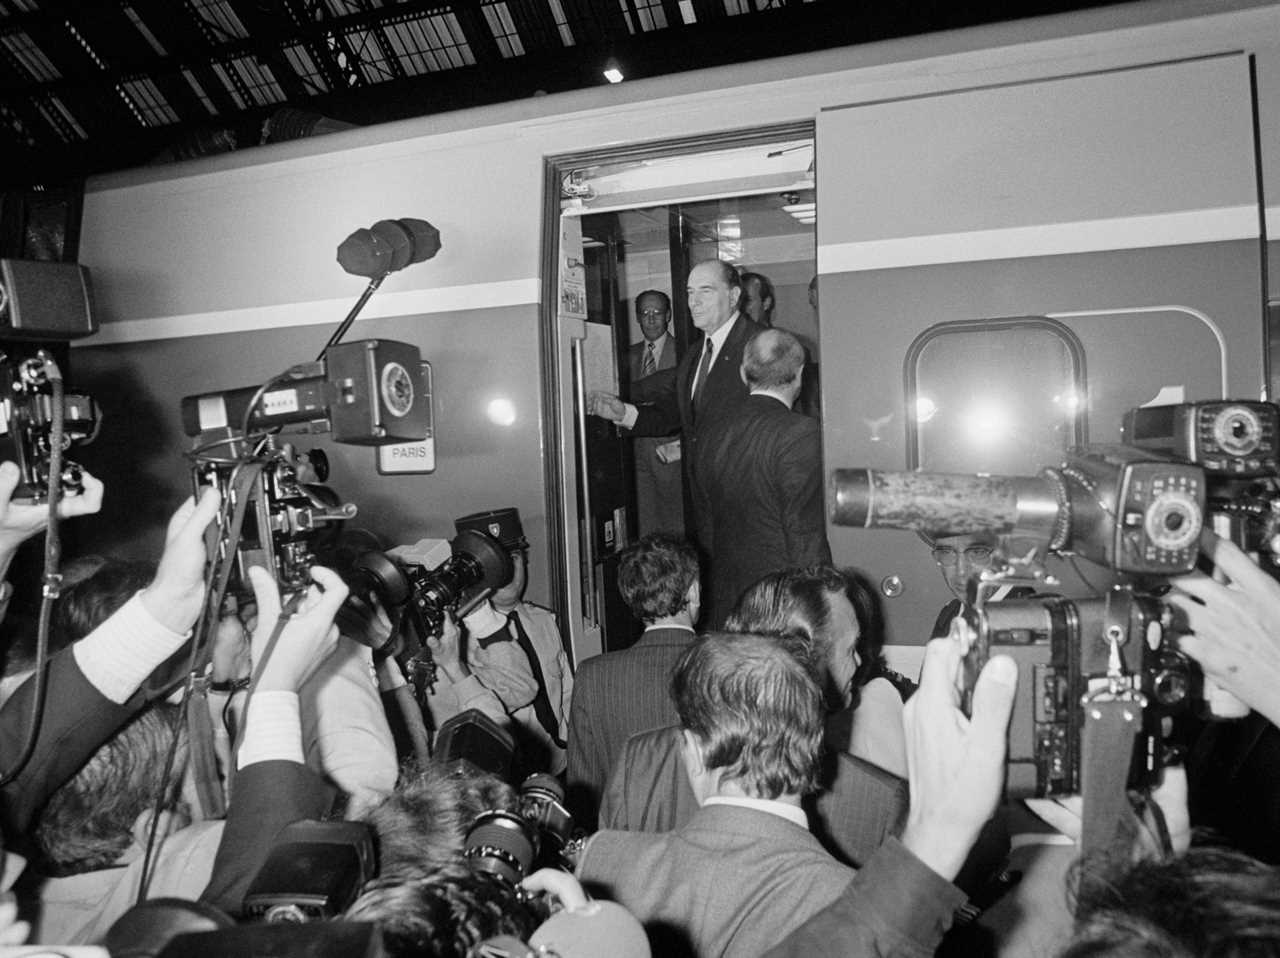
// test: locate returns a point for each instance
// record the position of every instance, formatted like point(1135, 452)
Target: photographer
point(513, 649)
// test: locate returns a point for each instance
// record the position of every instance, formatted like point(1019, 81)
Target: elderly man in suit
point(621, 693)
point(706, 385)
point(659, 488)
point(761, 472)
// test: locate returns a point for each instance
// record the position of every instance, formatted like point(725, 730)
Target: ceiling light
point(613, 71)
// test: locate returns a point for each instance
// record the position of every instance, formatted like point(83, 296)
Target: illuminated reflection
point(988, 423)
point(501, 412)
point(926, 409)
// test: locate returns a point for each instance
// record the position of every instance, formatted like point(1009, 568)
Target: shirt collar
point(720, 335)
point(658, 344)
point(673, 625)
point(773, 394)
point(792, 813)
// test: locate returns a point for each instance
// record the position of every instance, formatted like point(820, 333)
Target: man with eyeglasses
point(961, 559)
point(659, 489)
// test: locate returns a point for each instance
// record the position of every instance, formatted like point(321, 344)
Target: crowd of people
point(747, 779)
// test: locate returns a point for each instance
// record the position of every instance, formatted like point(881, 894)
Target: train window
point(1003, 396)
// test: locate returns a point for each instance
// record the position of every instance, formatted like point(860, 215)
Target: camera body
point(1237, 443)
point(1137, 512)
point(432, 577)
point(313, 872)
point(27, 410)
point(1121, 643)
point(282, 515)
point(510, 845)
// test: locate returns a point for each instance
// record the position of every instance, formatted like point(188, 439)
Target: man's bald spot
point(772, 359)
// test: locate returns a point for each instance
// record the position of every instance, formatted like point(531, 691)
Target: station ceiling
point(90, 86)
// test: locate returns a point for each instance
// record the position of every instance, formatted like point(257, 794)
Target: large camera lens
point(1237, 430)
point(501, 843)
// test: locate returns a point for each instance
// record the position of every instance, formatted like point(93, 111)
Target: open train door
point(1121, 205)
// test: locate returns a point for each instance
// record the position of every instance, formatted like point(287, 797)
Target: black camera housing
point(27, 418)
point(313, 872)
point(1080, 635)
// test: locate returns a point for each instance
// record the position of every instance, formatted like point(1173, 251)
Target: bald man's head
point(773, 359)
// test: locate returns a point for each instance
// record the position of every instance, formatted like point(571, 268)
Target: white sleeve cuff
point(273, 729)
point(118, 655)
point(484, 620)
point(629, 416)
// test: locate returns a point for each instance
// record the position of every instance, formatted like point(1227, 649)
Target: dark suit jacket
point(731, 881)
point(77, 720)
point(267, 797)
point(761, 471)
point(615, 696)
point(672, 407)
point(856, 808)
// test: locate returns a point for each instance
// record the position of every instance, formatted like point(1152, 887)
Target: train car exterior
point(1117, 171)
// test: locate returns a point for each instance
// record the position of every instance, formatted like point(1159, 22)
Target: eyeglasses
point(653, 312)
point(946, 555)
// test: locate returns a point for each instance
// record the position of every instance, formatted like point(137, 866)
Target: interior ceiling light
point(613, 70)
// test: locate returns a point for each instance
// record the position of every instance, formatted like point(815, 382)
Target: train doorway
point(632, 226)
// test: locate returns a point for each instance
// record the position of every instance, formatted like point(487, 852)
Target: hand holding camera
point(1234, 628)
point(949, 754)
point(308, 634)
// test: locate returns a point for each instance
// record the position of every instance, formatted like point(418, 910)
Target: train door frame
point(561, 365)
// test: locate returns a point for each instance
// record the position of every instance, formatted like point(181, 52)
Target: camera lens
point(1237, 430)
point(1173, 520)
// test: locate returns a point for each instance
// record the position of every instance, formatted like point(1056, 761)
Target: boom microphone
point(387, 246)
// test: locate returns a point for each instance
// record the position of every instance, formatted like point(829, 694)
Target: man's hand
point(176, 594)
point(20, 521)
point(446, 651)
point(231, 656)
point(955, 765)
point(309, 636)
point(606, 406)
point(1235, 628)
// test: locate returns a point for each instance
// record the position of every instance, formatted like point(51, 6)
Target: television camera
point(367, 392)
point(1139, 514)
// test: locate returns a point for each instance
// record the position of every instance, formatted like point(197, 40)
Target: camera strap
point(200, 732)
point(1111, 720)
point(542, 709)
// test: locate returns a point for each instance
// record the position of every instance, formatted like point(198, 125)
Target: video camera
point(1237, 443)
point(368, 392)
point(1139, 514)
point(42, 302)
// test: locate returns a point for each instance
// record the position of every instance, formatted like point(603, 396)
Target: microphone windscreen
point(364, 253)
point(426, 238)
point(398, 238)
point(597, 928)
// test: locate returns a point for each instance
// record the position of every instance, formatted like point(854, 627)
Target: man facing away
point(659, 489)
point(761, 473)
point(744, 871)
point(706, 385)
point(625, 692)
